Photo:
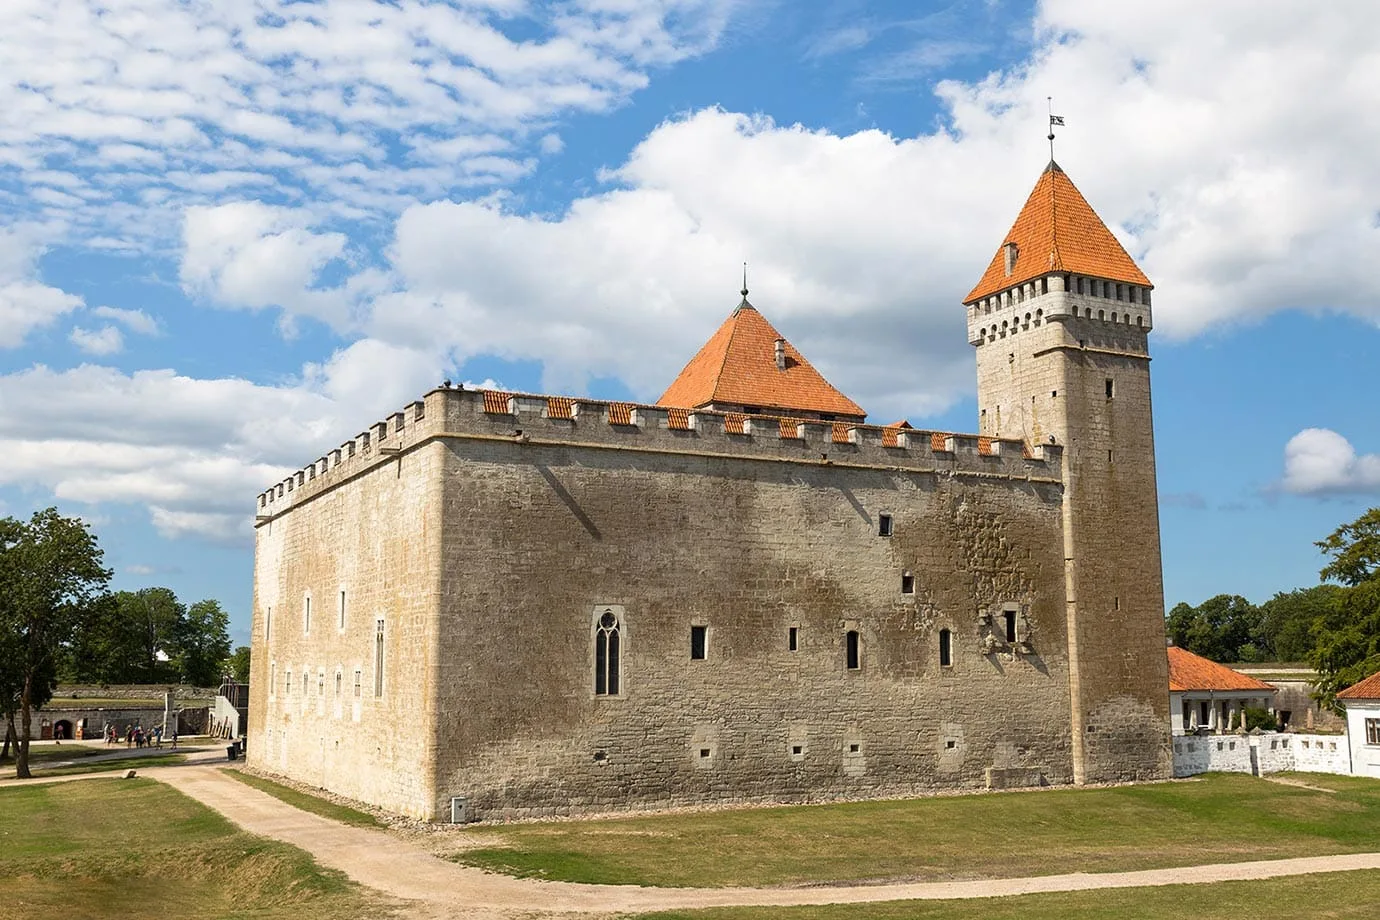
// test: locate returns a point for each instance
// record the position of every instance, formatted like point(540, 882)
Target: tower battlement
point(1112, 307)
point(538, 420)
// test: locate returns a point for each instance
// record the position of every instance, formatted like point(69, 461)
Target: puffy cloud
point(26, 304)
point(1318, 461)
point(195, 452)
point(134, 320)
point(106, 340)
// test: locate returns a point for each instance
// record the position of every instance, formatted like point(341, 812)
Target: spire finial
point(745, 281)
point(1053, 120)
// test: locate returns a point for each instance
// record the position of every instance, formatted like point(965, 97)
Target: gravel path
point(436, 888)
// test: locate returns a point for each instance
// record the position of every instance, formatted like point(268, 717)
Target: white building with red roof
point(1205, 695)
point(1362, 704)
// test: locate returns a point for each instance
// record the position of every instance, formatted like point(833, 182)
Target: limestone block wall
point(549, 521)
point(360, 528)
point(1273, 753)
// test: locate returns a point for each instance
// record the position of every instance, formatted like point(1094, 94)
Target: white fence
point(1257, 754)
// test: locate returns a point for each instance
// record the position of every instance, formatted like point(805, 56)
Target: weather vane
point(1053, 120)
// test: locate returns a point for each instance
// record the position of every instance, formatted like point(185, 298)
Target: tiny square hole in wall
point(854, 748)
point(1054, 393)
point(797, 750)
point(883, 525)
point(951, 744)
point(698, 635)
point(907, 583)
point(704, 753)
point(793, 638)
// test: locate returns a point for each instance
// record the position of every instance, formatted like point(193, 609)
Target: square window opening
point(884, 525)
point(854, 748)
point(907, 583)
point(797, 750)
point(704, 753)
point(950, 744)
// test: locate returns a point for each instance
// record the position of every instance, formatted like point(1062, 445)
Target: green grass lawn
point(1331, 896)
point(42, 759)
point(129, 848)
point(312, 803)
point(1219, 818)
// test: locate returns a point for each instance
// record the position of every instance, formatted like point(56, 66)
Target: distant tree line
point(59, 620)
point(1333, 626)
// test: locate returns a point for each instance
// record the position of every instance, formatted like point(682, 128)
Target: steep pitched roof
point(1058, 231)
point(1368, 689)
point(1188, 671)
point(738, 365)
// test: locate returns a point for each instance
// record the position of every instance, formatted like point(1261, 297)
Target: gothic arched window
point(606, 655)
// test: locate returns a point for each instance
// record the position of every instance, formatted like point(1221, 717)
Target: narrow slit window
point(272, 679)
point(606, 655)
point(339, 682)
point(793, 639)
point(341, 612)
point(1010, 617)
point(359, 683)
point(268, 624)
point(378, 658)
point(907, 583)
point(884, 524)
point(853, 656)
point(699, 640)
point(287, 684)
point(306, 615)
point(1111, 387)
point(946, 648)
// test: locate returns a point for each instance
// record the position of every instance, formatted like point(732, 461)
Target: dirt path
point(437, 888)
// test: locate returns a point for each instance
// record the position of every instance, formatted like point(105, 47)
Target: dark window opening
point(1116, 602)
point(884, 520)
point(1010, 617)
point(907, 583)
point(793, 638)
point(704, 753)
point(378, 658)
point(946, 656)
point(606, 653)
point(852, 643)
point(854, 748)
point(797, 750)
point(698, 635)
point(1111, 388)
point(951, 744)
point(1109, 457)
point(752, 410)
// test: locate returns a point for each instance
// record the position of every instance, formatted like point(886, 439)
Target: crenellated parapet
point(1084, 302)
point(533, 421)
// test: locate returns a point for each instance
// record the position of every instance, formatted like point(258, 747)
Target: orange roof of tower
point(1368, 689)
point(738, 366)
point(1188, 671)
point(1058, 231)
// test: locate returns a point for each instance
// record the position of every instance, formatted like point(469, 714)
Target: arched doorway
point(62, 729)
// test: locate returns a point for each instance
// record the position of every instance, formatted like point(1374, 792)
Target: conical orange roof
point(1058, 231)
point(738, 366)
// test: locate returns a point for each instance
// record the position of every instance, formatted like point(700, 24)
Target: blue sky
point(233, 235)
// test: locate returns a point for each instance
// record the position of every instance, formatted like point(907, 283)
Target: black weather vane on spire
point(745, 289)
point(1053, 120)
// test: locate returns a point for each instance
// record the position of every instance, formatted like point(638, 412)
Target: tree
point(237, 665)
point(1347, 635)
point(202, 642)
point(1222, 628)
point(50, 579)
point(1288, 619)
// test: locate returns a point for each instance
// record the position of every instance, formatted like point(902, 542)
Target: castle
point(498, 604)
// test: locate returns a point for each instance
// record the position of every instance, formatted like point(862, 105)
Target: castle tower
point(1060, 321)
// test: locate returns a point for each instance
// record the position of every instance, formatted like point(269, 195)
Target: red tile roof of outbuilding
point(1188, 671)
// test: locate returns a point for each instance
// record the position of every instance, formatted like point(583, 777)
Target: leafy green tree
point(50, 579)
point(237, 665)
point(1289, 618)
point(1347, 636)
point(1223, 628)
point(202, 643)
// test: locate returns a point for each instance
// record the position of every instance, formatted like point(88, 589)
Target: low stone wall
point(1260, 754)
point(132, 692)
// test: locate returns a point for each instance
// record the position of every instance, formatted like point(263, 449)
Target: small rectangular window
point(272, 679)
point(797, 750)
point(268, 624)
point(698, 640)
point(1372, 731)
point(287, 685)
point(854, 658)
point(378, 658)
point(883, 525)
point(359, 683)
point(339, 679)
point(1010, 617)
point(907, 583)
point(946, 654)
point(342, 609)
point(793, 639)
point(854, 748)
point(1111, 388)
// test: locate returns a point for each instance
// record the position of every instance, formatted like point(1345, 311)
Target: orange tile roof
point(678, 419)
point(1188, 671)
point(735, 423)
point(738, 365)
point(620, 413)
point(790, 429)
point(1368, 689)
point(560, 407)
point(1058, 231)
point(496, 402)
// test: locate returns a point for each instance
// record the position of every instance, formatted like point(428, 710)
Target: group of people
point(136, 736)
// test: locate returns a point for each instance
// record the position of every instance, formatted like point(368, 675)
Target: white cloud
point(136, 321)
point(194, 452)
point(1318, 461)
point(26, 304)
point(187, 100)
point(106, 340)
